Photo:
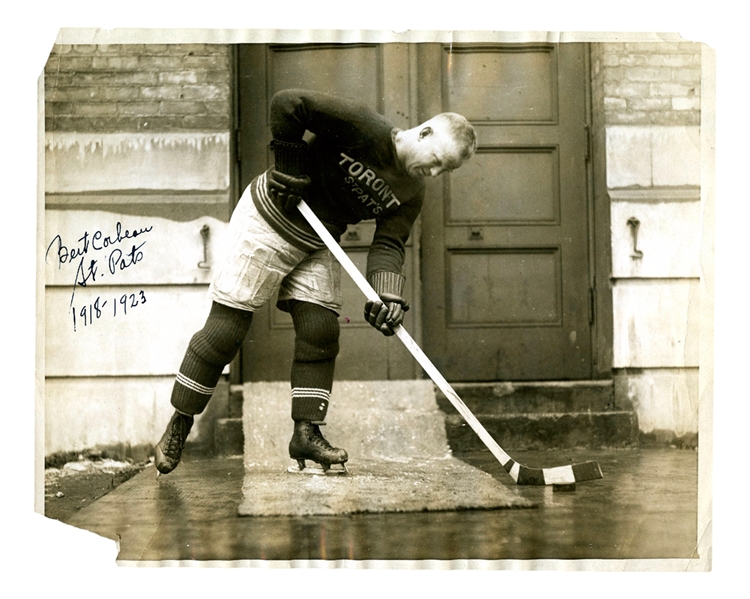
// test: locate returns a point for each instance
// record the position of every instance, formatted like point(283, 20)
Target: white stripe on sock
point(194, 386)
point(309, 392)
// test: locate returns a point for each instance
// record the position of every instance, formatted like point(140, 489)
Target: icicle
point(117, 143)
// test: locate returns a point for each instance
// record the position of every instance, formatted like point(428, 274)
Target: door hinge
point(238, 144)
point(592, 304)
point(588, 142)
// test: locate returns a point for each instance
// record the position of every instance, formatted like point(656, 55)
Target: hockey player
point(358, 166)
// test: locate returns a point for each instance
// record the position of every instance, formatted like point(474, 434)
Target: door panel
point(522, 182)
point(504, 287)
point(503, 85)
point(377, 75)
point(505, 262)
point(351, 71)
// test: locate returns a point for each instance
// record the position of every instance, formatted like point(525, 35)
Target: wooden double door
point(500, 258)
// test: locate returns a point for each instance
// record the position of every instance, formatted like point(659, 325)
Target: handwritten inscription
point(98, 308)
point(94, 255)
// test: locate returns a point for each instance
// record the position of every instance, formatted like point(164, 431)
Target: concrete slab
point(399, 459)
point(376, 486)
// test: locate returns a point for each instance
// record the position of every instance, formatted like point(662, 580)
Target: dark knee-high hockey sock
point(315, 348)
point(208, 352)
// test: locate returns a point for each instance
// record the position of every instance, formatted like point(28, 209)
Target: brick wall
point(138, 87)
point(648, 83)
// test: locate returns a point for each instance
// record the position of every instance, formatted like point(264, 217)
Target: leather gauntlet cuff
point(290, 157)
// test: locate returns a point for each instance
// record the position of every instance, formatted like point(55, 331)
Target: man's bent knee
point(317, 332)
point(221, 337)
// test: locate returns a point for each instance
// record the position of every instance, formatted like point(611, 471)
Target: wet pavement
point(644, 507)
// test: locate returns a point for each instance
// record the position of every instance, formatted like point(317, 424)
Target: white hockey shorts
point(259, 262)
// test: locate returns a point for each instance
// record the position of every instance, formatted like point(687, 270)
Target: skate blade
point(318, 470)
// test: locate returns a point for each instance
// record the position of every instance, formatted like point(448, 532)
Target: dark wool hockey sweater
point(355, 174)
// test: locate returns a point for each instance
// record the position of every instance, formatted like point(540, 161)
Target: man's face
point(435, 151)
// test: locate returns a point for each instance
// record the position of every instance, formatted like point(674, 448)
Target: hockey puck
point(564, 488)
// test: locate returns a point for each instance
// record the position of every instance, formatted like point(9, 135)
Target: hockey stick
point(522, 475)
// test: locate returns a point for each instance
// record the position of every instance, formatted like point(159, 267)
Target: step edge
point(533, 415)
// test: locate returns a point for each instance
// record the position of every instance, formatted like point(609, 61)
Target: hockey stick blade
point(522, 475)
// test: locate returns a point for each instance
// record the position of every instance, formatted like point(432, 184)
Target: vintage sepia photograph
point(378, 298)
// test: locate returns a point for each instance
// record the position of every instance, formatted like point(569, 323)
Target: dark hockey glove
point(287, 189)
point(288, 182)
point(387, 314)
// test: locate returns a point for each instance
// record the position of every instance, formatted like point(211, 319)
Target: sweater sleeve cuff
point(384, 281)
point(290, 157)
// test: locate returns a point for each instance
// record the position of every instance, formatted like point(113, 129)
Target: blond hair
point(462, 132)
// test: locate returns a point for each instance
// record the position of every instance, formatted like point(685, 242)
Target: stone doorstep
point(234, 405)
point(514, 432)
point(545, 397)
point(524, 415)
point(229, 437)
point(542, 415)
point(377, 420)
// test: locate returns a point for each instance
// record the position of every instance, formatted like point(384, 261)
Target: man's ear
point(425, 132)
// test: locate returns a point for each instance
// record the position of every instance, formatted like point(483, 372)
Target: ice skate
point(309, 444)
point(169, 449)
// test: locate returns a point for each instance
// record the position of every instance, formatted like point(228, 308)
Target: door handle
point(476, 234)
point(205, 230)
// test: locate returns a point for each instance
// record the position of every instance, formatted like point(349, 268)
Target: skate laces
point(176, 440)
point(318, 438)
